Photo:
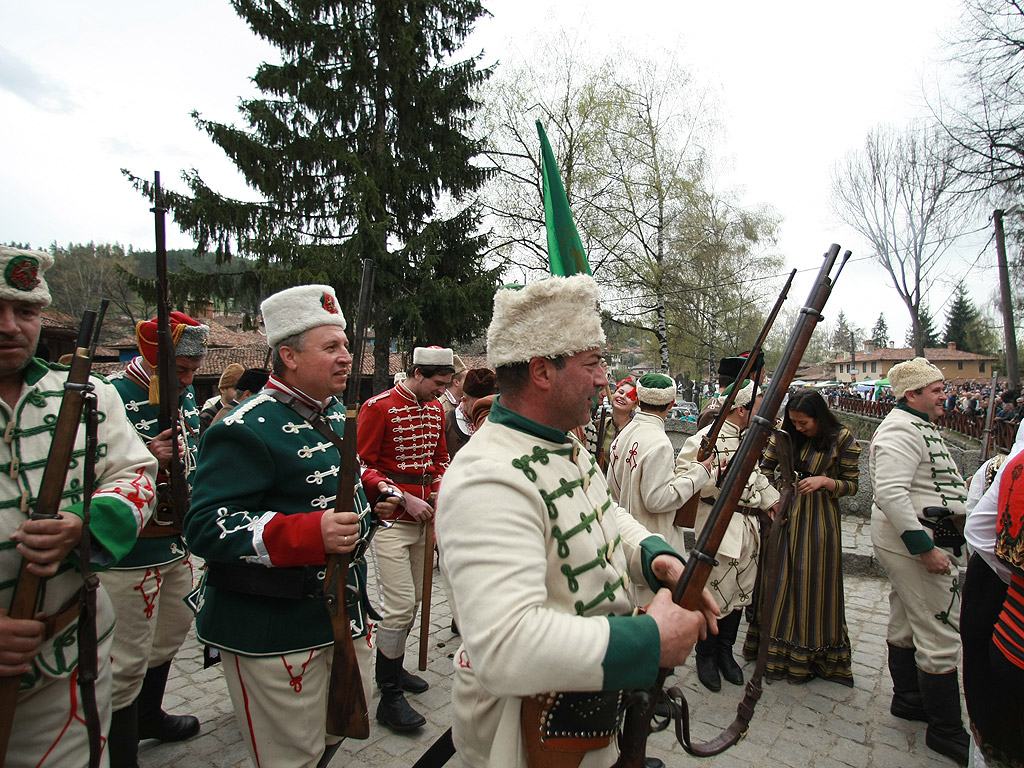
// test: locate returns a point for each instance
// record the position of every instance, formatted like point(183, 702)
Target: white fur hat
point(912, 374)
point(442, 356)
point(551, 317)
point(655, 389)
point(298, 309)
point(23, 275)
point(743, 397)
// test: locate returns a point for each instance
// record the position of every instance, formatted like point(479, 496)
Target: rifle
point(25, 601)
point(172, 494)
point(686, 515)
point(687, 593)
point(347, 714)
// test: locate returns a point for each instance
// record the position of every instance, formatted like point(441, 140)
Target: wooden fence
point(1003, 434)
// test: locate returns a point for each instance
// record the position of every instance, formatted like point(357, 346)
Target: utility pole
point(853, 357)
point(1009, 333)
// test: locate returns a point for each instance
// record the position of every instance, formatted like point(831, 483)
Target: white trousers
point(152, 621)
point(49, 724)
point(924, 611)
point(280, 703)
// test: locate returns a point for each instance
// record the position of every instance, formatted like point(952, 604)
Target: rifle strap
point(769, 591)
point(308, 414)
point(88, 662)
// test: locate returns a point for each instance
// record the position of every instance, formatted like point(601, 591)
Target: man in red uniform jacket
point(402, 448)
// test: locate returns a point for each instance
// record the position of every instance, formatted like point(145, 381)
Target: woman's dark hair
point(810, 403)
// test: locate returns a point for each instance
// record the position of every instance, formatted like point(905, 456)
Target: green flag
point(565, 251)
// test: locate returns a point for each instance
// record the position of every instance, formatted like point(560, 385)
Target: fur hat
point(253, 380)
point(23, 275)
point(913, 374)
point(743, 397)
point(439, 356)
point(551, 317)
point(298, 309)
point(479, 382)
point(229, 378)
point(656, 389)
point(732, 366)
point(190, 338)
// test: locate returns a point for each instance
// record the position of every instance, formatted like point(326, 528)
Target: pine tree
point(928, 332)
point(880, 332)
point(840, 340)
point(962, 323)
point(362, 128)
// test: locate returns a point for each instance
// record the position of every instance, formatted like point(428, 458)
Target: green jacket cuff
point(650, 548)
point(917, 541)
point(112, 529)
point(634, 649)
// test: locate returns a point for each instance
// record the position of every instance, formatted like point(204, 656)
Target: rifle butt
point(347, 714)
point(428, 585)
point(686, 515)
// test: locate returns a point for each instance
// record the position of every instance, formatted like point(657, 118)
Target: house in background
point(874, 362)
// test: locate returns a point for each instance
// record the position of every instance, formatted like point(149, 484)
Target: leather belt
point(403, 479)
point(749, 511)
point(154, 530)
point(260, 581)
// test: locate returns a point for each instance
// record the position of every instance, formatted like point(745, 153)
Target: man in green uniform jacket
point(263, 518)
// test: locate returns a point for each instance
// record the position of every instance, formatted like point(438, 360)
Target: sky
point(89, 88)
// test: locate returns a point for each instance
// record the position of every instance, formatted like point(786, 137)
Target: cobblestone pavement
point(814, 725)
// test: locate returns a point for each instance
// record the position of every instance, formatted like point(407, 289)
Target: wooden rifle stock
point(686, 515)
point(172, 494)
point(428, 585)
point(688, 592)
point(347, 714)
point(25, 601)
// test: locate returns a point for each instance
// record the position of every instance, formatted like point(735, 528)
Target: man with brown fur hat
point(227, 385)
point(915, 483)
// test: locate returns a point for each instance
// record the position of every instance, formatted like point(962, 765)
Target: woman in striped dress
point(807, 629)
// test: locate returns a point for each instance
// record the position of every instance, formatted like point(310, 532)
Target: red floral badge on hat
point(329, 304)
point(22, 273)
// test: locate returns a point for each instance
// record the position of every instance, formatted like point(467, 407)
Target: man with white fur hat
point(641, 472)
point(914, 484)
point(733, 578)
point(43, 651)
point(263, 518)
point(539, 558)
point(403, 451)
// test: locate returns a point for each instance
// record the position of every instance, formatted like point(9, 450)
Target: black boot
point(394, 711)
point(946, 734)
point(123, 739)
point(906, 695)
point(154, 723)
point(413, 683)
point(707, 667)
point(727, 629)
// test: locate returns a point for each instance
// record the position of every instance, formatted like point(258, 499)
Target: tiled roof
point(934, 354)
point(220, 336)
